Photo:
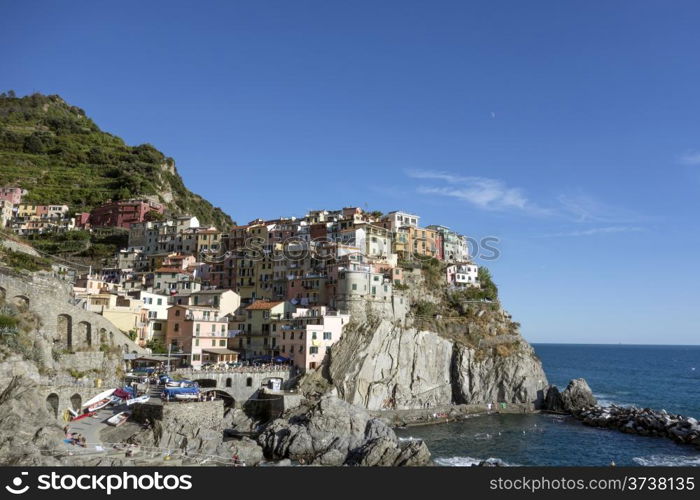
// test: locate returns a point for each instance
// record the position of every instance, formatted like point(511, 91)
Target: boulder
point(577, 396)
point(553, 400)
point(334, 432)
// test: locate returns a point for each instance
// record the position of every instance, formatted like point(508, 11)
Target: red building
point(122, 213)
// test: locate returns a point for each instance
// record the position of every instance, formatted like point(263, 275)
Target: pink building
point(82, 219)
point(201, 332)
point(12, 194)
point(307, 338)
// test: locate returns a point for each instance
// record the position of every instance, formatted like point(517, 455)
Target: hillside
point(61, 156)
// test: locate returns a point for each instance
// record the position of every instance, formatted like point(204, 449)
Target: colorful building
point(308, 337)
point(123, 213)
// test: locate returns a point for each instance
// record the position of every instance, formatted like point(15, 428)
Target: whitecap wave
point(409, 438)
point(466, 461)
point(668, 461)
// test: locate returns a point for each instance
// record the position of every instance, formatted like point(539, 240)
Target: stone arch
point(85, 334)
point(228, 382)
point(65, 330)
point(52, 404)
point(206, 382)
point(21, 301)
point(103, 336)
point(76, 401)
point(229, 402)
point(249, 382)
point(126, 348)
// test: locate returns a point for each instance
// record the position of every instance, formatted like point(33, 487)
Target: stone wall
point(68, 325)
point(83, 361)
point(203, 415)
point(151, 411)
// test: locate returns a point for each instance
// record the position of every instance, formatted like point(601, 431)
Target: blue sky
point(567, 130)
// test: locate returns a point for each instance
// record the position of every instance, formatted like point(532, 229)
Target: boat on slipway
point(119, 418)
point(99, 401)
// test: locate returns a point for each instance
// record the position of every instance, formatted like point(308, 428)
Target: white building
point(401, 219)
point(157, 306)
point(464, 274)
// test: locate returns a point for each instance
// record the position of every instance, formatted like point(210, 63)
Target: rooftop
point(263, 305)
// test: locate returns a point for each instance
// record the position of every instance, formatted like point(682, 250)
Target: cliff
point(461, 353)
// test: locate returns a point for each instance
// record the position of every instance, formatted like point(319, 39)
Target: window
point(196, 329)
point(313, 350)
point(160, 302)
point(313, 336)
point(301, 348)
point(354, 286)
point(157, 326)
point(196, 357)
point(222, 343)
point(177, 312)
point(177, 327)
point(196, 342)
point(327, 335)
point(249, 382)
point(213, 342)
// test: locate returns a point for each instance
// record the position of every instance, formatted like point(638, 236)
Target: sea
point(659, 377)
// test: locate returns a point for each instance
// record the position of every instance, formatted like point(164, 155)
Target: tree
point(156, 346)
point(154, 216)
point(488, 287)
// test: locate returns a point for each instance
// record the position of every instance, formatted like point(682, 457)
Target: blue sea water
point(646, 376)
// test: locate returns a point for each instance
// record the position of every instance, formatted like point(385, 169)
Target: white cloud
point(583, 208)
point(690, 158)
point(482, 192)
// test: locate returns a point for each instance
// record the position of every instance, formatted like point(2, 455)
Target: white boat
point(101, 397)
point(140, 399)
point(118, 419)
point(99, 404)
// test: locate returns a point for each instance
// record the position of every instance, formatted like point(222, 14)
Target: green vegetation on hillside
point(98, 244)
point(23, 262)
point(60, 156)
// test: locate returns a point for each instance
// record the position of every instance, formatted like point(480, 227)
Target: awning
point(151, 358)
point(219, 350)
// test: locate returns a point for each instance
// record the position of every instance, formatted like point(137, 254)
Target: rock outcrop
point(576, 397)
point(515, 377)
point(384, 365)
point(29, 436)
point(334, 432)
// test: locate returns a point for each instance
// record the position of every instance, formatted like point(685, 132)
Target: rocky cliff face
point(333, 432)
point(384, 365)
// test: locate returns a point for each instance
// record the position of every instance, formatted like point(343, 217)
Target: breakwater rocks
point(578, 400)
point(642, 421)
